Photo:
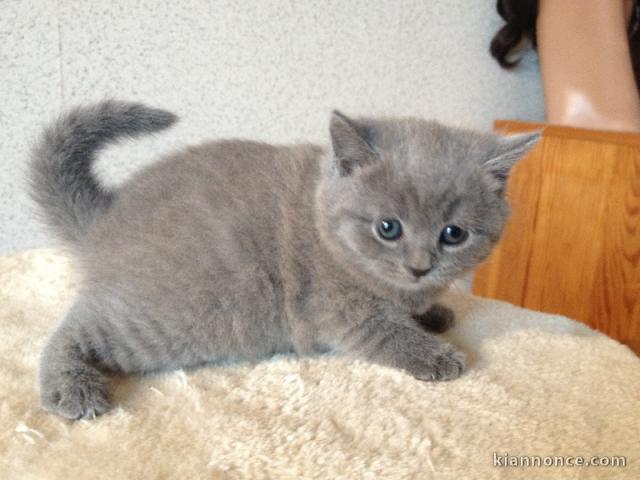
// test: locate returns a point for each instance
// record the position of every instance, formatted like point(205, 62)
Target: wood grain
point(572, 245)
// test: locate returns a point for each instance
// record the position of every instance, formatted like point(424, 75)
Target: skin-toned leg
point(585, 62)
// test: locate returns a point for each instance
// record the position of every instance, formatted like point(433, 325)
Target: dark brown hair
point(521, 16)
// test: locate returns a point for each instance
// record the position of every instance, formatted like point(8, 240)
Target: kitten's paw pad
point(77, 399)
point(437, 319)
point(445, 366)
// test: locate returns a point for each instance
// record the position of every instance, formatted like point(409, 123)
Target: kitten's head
point(411, 203)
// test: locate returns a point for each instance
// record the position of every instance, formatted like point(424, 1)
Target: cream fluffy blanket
point(537, 385)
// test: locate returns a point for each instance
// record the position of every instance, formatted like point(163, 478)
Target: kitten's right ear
point(510, 150)
point(350, 146)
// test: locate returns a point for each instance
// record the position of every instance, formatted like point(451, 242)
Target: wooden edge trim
point(621, 138)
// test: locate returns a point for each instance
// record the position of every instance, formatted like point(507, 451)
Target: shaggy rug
point(539, 389)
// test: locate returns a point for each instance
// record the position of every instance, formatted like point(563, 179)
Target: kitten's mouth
point(413, 281)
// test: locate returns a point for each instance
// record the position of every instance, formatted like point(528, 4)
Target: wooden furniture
point(572, 245)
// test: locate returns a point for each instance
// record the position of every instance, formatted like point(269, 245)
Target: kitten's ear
point(510, 150)
point(350, 141)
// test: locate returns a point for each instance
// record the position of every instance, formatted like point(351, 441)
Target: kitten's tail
point(62, 182)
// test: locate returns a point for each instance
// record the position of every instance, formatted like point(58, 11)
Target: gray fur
point(61, 178)
point(237, 250)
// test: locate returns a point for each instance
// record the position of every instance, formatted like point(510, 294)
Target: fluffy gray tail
point(62, 182)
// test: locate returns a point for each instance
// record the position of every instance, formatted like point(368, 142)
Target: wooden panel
point(572, 245)
point(620, 138)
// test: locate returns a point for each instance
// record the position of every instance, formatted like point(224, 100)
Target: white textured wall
point(264, 69)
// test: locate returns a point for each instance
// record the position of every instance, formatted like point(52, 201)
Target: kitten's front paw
point(77, 396)
point(437, 319)
point(443, 366)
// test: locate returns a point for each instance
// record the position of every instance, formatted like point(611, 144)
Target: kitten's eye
point(453, 235)
point(390, 229)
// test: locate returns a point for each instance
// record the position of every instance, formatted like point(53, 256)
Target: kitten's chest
point(417, 303)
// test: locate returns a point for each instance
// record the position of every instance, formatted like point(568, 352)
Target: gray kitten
point(237, 250)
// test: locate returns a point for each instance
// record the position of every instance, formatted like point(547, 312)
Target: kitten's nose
point(418, 272)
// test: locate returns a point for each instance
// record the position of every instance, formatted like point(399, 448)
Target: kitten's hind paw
point(437, 319)
point(77, 394)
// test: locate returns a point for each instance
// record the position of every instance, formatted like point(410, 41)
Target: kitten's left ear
point(510, 150)
point(350, 141)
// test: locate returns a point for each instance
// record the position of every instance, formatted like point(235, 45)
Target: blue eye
point(389, 229)
point(453, 235)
